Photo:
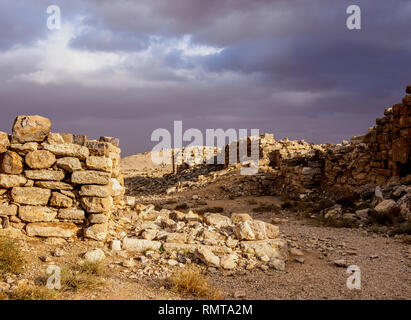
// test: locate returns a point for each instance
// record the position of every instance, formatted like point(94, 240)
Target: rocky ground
point(316, 267)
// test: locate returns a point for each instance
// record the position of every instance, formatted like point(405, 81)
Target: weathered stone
point(97, 148)
point(99, 163)
point(45, 174)
point(208, 257)
point(94, 256)
point(71, 214)
point(55, 138)
point(4, 141)
point(212, 235)
point(52, 229)
point(139, 245)
point(388, 208)
point(8, 209)
point(11, 181)
point(24, 148)
point(36, 214)
point(53, 185)
point(11, 163)
point(277, 264)
point(217, 220)
point(271, 248)
point(97, 218)
point(97, 232)
point(228, 262)
point(90, 177)
point(115, 245)
point(272, 231)
point(149, 234)
point(60, 200)
point(94, 191)
point(244, 231)
point(40, 159)
point(96, 205)
point(30, 129)
point(31, 196)
point(177, 238)
point(113, 141)
point(68, 150)
point(240, 217)
point(69, 164)
point(116, 188)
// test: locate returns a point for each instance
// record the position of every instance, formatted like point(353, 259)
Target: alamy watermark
point(54, 19)
point(354, 280)
point(243, 147)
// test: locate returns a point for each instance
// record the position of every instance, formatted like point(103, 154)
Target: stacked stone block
point(57, 184)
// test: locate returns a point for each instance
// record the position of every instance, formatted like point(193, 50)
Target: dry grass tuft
point(27, 292)
point(85, 276)
point(190, 280)
point(11, 257)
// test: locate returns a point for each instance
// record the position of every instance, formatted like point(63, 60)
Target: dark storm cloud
point(288, 67)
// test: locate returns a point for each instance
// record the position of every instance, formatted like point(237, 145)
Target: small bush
point(189, 280)
point(11, 257)
point(26, 292)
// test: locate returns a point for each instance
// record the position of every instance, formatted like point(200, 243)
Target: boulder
point(11, 181)
point(217, 220)
point(45, 174)
point(97, 232)
point(90, 177)
point(387, 209)
point(68, 150)
point(96, 205)
point(36, 214)
point(52, 229)
point(30, 129)
point(140, 245)
point(99, 163)
point(69, 164)
point(59, 200)
point(11, 163)
point(31, 196)
point(8, 209)
point(244, 231)
point(4, 142)
point(207, 257)
point(71, 214)
point(240, 217)
point(94, 191)
point(40, 159)
point(94, 256)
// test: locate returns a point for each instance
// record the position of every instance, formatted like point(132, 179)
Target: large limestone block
point(36, 214)
point(24, 148)
point(95, 191)
point(30, 129)
point(4, 141)
point(90, 177)
point(11, 163)
point(255, 230)
point(40, 159)
point(59, 200)
point(52, 229)
point(140, 245)
point(96, 205)
point(273, 248)
point(97, 232)
point(8, 209)
point(208, 257)
point(71, 214)
point(217, 220)
point(11, 181)
point(68, 150)
point(69, 164)
point(53, 185)
point(31, 196)
point(99, 163)
point(47, 175)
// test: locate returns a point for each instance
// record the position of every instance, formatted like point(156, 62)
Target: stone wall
point(379, 157)
point(57, 184)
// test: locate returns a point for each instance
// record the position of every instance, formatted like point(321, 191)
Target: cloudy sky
point(127, 67)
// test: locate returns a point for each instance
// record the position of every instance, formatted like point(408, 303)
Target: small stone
point(11, 163)
point(277, 264)
point(90, 177)
point(60, 200)
point(93, 256)
point(172, 262)
point(299, 260)
point(208, 257)
point(296, 252)
point(97, 232)
point(341, 263)
point(40, 159)
point(116, 245)
point(69, 164)
point(58, 252)
point(240, 294)
point(31, 196)
point(129, 263)
point(4, 142)
point(228, 262)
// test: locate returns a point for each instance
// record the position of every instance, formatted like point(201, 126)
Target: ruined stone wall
point(57, 184)
point(378, 157)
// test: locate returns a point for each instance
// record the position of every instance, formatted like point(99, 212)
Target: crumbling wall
point(57, 184)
